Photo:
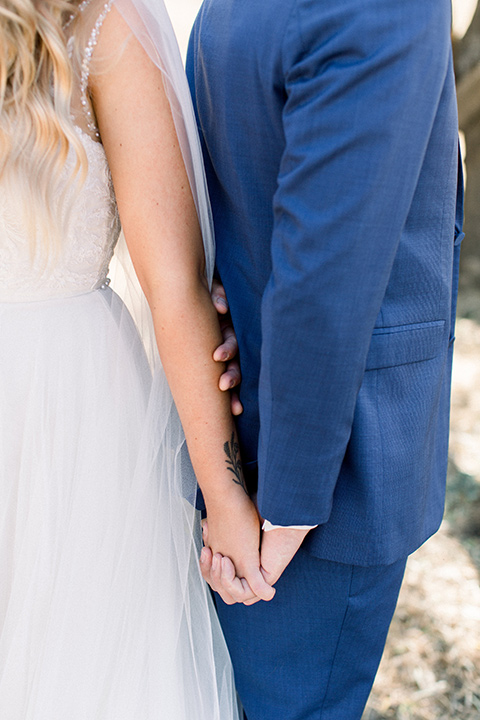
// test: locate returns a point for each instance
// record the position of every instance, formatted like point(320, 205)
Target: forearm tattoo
point(232, 451)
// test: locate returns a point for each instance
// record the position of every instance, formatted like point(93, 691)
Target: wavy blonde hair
point(36, 127)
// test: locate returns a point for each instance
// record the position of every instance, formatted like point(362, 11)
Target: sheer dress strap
point(82, 31)
point(86, 63)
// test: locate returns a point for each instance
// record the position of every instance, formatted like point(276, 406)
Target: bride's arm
point(162, 233)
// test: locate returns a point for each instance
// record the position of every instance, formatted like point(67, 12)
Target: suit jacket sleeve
point(363, 79)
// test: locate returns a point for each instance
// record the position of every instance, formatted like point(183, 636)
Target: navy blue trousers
point(312, 652)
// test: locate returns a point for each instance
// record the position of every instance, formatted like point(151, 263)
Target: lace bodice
point(81, 263)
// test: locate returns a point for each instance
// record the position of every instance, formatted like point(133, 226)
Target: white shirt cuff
point(267, 526)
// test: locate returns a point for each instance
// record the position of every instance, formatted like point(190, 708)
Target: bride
point(103, 612)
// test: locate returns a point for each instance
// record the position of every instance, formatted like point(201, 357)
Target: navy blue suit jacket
point(331, 150)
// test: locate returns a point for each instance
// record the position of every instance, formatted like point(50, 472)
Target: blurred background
point(431, 666)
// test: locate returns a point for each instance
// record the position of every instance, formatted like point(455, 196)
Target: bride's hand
point(228, 350)
point(230, 560)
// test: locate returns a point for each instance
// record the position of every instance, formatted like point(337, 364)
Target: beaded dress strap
point(79, 10)
point(85, 68)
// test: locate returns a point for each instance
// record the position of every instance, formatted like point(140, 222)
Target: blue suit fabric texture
point(331, 149)
point(330, 140)
point(313, 651)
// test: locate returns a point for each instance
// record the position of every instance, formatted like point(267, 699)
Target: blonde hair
point(36, 127)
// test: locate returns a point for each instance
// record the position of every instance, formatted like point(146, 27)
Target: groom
point(330, 140)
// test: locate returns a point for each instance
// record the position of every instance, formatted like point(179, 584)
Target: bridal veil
point(191, 624)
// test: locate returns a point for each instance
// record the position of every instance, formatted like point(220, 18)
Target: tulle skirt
point(103, 612)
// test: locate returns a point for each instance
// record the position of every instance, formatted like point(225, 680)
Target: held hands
point(233, 534)
point(278, 547)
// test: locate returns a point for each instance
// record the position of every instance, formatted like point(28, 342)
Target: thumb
point(259, 585)
point(269, 577)
point(277, 550)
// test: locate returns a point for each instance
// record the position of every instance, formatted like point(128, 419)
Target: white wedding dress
point(103, 612)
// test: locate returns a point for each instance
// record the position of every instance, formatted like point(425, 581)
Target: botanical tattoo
point(232, 451)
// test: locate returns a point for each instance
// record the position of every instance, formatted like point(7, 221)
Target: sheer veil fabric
point(196, 674)
point(206, 676)
point(151, 25)
point(103, 611)
point(149, 21)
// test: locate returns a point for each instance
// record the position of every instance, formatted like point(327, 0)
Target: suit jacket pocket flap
point(403, 344)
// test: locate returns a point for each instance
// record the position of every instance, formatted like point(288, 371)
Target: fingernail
point(224, 356)
point(203, 555)
point(232, 384)
point(215, 563)
point(222, 301)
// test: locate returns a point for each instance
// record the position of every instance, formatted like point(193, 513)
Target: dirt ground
point(431, 666)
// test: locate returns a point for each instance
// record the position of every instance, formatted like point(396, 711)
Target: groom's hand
point(278, 548)
point(228, 350)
